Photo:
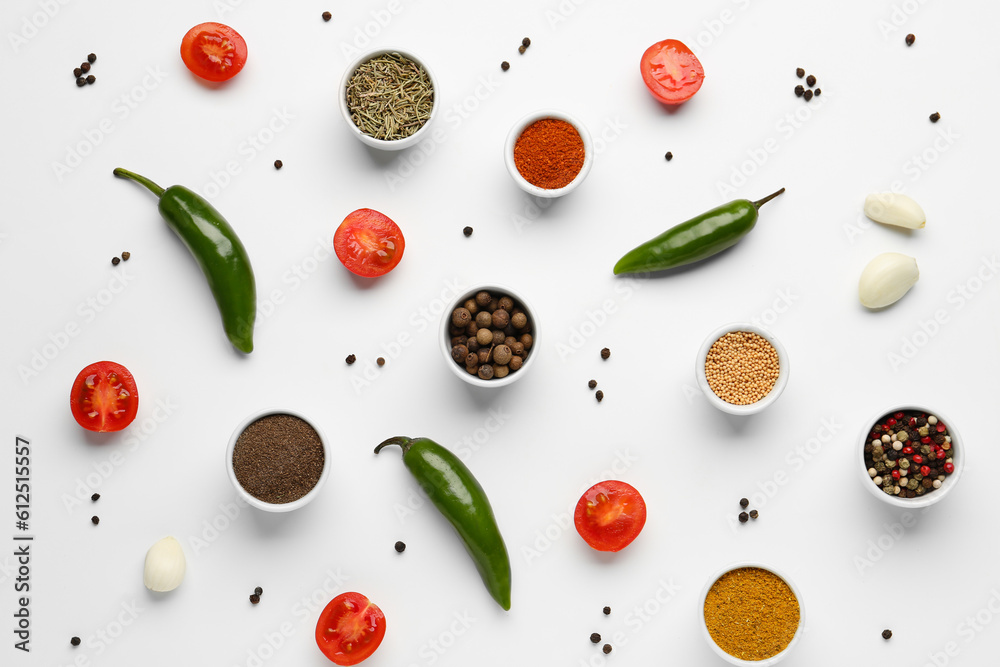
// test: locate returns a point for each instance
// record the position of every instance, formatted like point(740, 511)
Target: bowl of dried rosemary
point(388, 98)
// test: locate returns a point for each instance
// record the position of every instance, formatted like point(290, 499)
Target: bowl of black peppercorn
point(489, 336)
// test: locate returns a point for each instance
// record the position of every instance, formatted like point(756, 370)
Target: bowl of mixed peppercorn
point(911, 456)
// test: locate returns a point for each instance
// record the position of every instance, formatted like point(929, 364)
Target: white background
point(857, 572)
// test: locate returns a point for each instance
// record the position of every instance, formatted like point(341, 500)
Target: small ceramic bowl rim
point(779, 385)
point(732, 659)
point(445, 339)
point(257, 502)
point(398, 144)
point(519, 127)
point(928, 499)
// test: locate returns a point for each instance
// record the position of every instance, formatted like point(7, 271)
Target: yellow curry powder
point(751, 613)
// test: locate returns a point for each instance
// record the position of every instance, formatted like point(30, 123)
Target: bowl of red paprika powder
point(548, 153)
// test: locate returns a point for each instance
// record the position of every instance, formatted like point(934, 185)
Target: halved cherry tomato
point(350, 628)
point(671, 71)
point(214, 51)
point(104, 397)
point(368, 243)
point(610, 515)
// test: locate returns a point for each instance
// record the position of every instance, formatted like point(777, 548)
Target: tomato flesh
point(368, 243)
point(214, 51)
point(609, 515)
point(350, 628)
point(104, 397)
point(671, 71)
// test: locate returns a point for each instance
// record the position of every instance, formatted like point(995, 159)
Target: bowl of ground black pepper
point(388, 98)
point(742, 368)
point(277, 460)
point(489, 336)
point(751, 614)
point(910, 456)
point(548, 153)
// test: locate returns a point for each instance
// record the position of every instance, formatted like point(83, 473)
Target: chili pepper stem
point(401, 440)
point(760, 202)
point(142, 180)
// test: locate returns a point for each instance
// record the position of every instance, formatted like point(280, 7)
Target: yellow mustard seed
point(741, 367)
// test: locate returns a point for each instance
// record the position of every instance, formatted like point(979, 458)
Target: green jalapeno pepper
point(697, 239)
point(219, 253)
point(459, 497)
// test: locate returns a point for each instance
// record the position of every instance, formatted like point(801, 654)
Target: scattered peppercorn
point(125, 255)
point(887, 633)
point(799, 90)
point(744, 502)
point(81, 82)
point(77, 72)
point(744, 517)
point(505, 65)
point(91, 78)
point(327, 16)
point(400, 547)
point(599, 395)
point(92, 58)
point(592, 384)
point(95, 497)
point(258, 591)
point(935, 117)
point(75, 641)
point(521, 49)
point(607, 611)
point(669, 156)
point(95, 520)
point(254, 599)
point(525, 42)
point(350, 359)
point(380, 361)
point(910, 39)
point(810, 81)
point(808, 95)
point(605, 353)
point(606, 648)
point(818, 92)
point(467, 231)
point(754, 514)
point(596, 638)
point(799, 72)
point(115, 261)
point(278, 164)
point(85, 67)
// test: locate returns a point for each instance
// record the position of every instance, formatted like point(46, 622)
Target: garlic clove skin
point(886, 279)
point(891, 208)
point(165, 566)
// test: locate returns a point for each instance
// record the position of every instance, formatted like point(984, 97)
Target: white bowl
point(253, 501)
point(519, 127)
point(928, 499)
point(445, 338)
point(779, 384)
point(731, 659)
point(383, 144)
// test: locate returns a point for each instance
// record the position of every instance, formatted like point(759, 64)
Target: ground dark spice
point(549, 153)
point(278, 458)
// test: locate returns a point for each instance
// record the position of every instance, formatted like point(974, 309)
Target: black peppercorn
point(596, 638)
point(254, 598)
point(92, 58)
point(799, 72)
point(607, 611)
point(799, 89)
point(77, 72)
point(91, 78)
point(327, 16)
point(525, 42)
point(744, 502)
point(592, 384)
point(95, 497)
point(115, 261)
point(380, 361)
point(278, 164)
point(521, 49)
point(808, 95)
point(400, 547)
point(258, 591)
point(85, 67)
point(754, 514)
point(599, 395)
point(743, 517)
point(810, 81)
point(505, 65)
point(886, 634)
point(606, 648)
point(910, 39)
point(80, 82)
point(95, 520)
point(935, 117)
point(669, 156)
point(467, 231)
point(350, 359)
point(819, 91)
point(605, 353)
point(75, 641)
point(125, 255)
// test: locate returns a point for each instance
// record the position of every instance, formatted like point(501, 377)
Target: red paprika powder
point(549, 153)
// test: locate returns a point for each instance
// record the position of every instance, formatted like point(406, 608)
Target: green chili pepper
point(697, 239)
point(219, 252)
point(459, 497)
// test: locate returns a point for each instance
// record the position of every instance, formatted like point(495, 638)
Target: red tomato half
point(368, 243)
point(214, 51)
point(350, 628)
point(104, 397)
point(610, 515)
point(671, 71)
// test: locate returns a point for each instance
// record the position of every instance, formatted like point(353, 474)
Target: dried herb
point(390, 97)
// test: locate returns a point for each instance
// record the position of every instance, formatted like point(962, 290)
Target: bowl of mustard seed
point(741, 368)
point(389, 99)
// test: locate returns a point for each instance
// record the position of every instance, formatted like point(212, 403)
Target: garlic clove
point(886, 279)
point(892, 208)
point(165, 566)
